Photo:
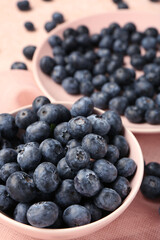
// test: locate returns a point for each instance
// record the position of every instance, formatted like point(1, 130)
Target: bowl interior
point(95, 24)
point(57, 234)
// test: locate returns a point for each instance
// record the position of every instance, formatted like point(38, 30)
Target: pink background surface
point(141, 220)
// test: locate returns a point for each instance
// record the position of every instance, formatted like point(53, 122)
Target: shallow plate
point(95, 24)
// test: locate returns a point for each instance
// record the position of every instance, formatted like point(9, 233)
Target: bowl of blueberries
point(66, 169)
point(112, 58)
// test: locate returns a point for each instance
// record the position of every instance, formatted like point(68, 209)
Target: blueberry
point(150, 187)
point(82, 29)
point(122, 186)
point(95, 212)
point(153, 77)
point(112, 154)
point(113, 26)
point(64, 171)
point(46, 177)
point(130, 27)
point(112, 89)
point(69, 32)
point(21, 187)
point(117, 57)
point(25, 117)
point(152, 116)
point(58, 51)
point(113, 65)
point(66, 194)
point(121, 143)
point(118, 104)
point(126, 167)
point(100, 99)
point(54, 40)
point(151, 31)
point(87, 183)
point(145, 103)
point(70, 69)
point(151, 67)
point(149, 43)
point(82, 107)
point(71, 85)
point(6, 202)
point(7, 155)
point(106, 42)
point(20, 212)
point(50, 113)
point(7, 169)
point(105, 32)
point(84, 41)
point(134, 114)
point(86, 88)
point(108, 199)
point(120, 46)
point(64, 113)
point(144, 88)
point(59, 60)
point(29, 52)
point(61, 133)
point(105, 170)
point(123, 5)
point(58, 74)
point(90, 55)
point(58, 17)
point(76, 215)
point(23, 5)
point(133, 49)
point(95, 145)
point(130, 95)
point(136, 37)
point(99, 80)
point(123, 76)
point(138, 61)
point(99, 68)
point(72, 143)
point(153, 168)
point(150, 55)
point(42, 214)
point(83, 76)
point(47, 64)
point(122, 34)
point(100, 125)
point(39, 102)
point(77, 158)
point(8, 127)
point(29, 26)
point(50, 26)
point(95, 39)
point(19, 65)
point(69, 44)
point(51, 150)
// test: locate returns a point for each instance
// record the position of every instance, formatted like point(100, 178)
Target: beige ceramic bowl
point(75, 232)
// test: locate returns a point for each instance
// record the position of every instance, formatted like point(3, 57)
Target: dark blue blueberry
point(70, 69)
point(113, 26)
point(130, 27)
point(150, 187)
point(138, 61)
point(51, 150)
point(39, 102)
point(126, 167)
point(99, 68)
point(121, 143)
point(123, 5)
point(112, 154)
point(83, 76)
point(150, 67)
point(23, 5)
point(144, 88)
point(95, 145)
point(133, 49)
point(77, 158)
point(114, 120)
point(145, 103)
point(42, 214)
point(58, 17)
point(123, 76)
point(46, 177)
point(153, 77)
point(66, 194)
point(151, 31)
point(76, 215)
point(122, 34)
point(100, 126)
point(82, 29)
point(113, 65)
point(153, 168)
point(157, 99)
point(72, 143)
point(7, 169)
point(59, 74)
point(59, 60)
point(21, 187)
point(8, 127)
point(86, 88)
point(25, 117)
point(50, 113)
point(64, 113)
point(120, 46)
point(7, 155)
point(118, 104)
point(106, 42)
point(122, 186)
point(58, 51)
point(29, 52)
point(6, 202)
point(99, 80)
point(87, 183)
point(90, 55)
point(19, 65)
point(149, 43)
point(112, 89)
point(108, 199)
point(82, 107)
point(54, 40)
point(150, 55)
point(95, 212)
point(64, 171)
point(70, 85)
point(130, 95)
point(47, 64)
point(95, 39)
point(105, 32)
point(79, 126)
point(105, 170)
point(50, 26)
point(134, 114)
point(79, 62)
point(152, 116)
point(100, 99)
point(117, 57)
point(69, 32)
point(136, 37)
point(20, 212)
point(61, 133)
point(84, 40)
point(29, 26)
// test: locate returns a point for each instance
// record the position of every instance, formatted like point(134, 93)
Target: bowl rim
point(111, 217)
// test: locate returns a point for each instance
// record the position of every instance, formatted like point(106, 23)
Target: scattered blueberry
point(58, 17)
point(19, 65)
point(59, 74)
point(150, 187)
point(50, 26)
point(23, 5)
point(153, 168)
point(8, 127)
point(29, 52)
point(134, 114)
point(29, 26)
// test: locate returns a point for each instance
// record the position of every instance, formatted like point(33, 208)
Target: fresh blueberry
point(95, 212)
point(126, 167)
point(153, 168)
point(108, 199)
point(136, 37)
point(54, 40)
point(58, 51)
point(113, 65)
point(77, 158)
point(152, 116)
point(19, 65)
point(50, 113)
point(106, 42)
point(118, 104)
point(105, 170)
point(150, 55)
point(121, 33)
point(64, 171)
point(25, 117)
point(46, 177)
point(66, 194)
point(138, 61)
point(51, 150)
point(70, 85)
point(50, 26)
point(61, 133)
point(72, 143)
point(59, 74)
point(130, 27)
point(6, 202)
point(153, 78)
point(90, 55)
point(39, 102)
point(151, 32)
point(130, 95)
point(113, 26)
point(59, 60)
point(149, 43)
point(21, 187)
point(8, 127)
point(47, 64)
point(82, 107)
point(145, 103)
point(121, 143)
point(7, 155)
point(133, 49)
point(100, 126)
point(150, 67)
point(69, 32)
point(84, 41)
point(112, 89)
point(70, 69)
point(95, 39)
point(99, 68)
point(122, 186)
point(42, 214)
point(144, 88)
point(7, 169)
point(100, 100)
point(29, 26)
point(23, 5)
point(82, 29)
point(99, 80)
point(86, 88)
point(134, 114)
point(20, 212)
point(95, 145)
point(123, 5)
point(150, 187)
point(64, 113)
point(29, 52)
point(76, 215)
point(123, 76)
point(120, 46)
point(87, 183)
point(112, 154)
point(83, 76)
point(58, 17)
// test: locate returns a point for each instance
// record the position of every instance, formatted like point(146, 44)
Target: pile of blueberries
point(63, 168)
point(94, 65)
